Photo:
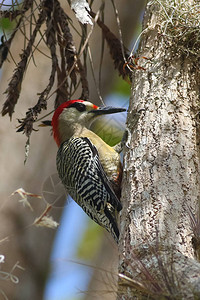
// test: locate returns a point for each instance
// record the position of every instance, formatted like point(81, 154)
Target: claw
point(124, 142)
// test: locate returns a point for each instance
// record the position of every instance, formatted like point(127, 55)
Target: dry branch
point(14, 86)
point(66, 61)
point(115, 48)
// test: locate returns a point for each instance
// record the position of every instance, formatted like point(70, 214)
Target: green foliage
point(6, 24)
point(90, 243)
point(121, 87)
point(110, 131)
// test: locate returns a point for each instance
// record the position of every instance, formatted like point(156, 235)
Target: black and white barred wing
point(83, 176)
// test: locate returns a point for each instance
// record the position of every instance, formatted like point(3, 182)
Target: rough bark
point(161, 182)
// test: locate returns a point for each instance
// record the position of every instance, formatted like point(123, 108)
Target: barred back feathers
point(83, 176)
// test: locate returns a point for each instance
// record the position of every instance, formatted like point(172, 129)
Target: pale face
point(79, 114)
point(75, 117)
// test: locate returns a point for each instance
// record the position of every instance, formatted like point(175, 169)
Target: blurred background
point(78, 259)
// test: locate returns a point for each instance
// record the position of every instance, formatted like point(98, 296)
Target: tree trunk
point(161, 181)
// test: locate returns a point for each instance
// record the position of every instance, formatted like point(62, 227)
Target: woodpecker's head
point(76, 114)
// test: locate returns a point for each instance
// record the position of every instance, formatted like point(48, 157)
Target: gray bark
point(161, 181)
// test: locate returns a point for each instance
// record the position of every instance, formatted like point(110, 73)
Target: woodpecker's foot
point(126, 139)
point(118, 148)
point(124, 142)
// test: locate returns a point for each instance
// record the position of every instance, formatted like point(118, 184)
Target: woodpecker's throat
point(70, 123)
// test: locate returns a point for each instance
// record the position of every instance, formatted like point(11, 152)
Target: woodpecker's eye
point(79, 106)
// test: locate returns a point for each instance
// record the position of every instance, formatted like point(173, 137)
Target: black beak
point(45, 123)
point(107, 110)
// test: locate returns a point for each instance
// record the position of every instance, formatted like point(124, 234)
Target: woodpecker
point(89, 168)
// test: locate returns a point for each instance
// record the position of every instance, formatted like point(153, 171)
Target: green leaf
point(109, 130)
point(90, 243)
point(6, 24)
point(121, 87)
